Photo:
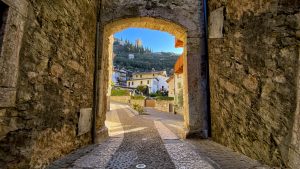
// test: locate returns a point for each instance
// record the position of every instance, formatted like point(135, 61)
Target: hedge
point(119, 92)
point(164, 98)
point(137, 97)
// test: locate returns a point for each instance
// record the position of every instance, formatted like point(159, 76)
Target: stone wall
point(3, 19)
point(178, 110)
point(52, 82)
point(120, 99)
point(163, 105)
point(254, 60)
point(138, 102)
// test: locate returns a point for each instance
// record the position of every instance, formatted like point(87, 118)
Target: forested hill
point(144, 58)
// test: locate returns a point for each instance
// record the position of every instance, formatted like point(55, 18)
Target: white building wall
point(163, 82)
point(115, 76)
point(153, 84)
point(131, 56)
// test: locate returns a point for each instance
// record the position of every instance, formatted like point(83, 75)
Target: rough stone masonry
point(47, 64)
point(254, 78)
point(46, 68)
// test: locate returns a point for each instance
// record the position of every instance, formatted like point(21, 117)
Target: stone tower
point(138, 43)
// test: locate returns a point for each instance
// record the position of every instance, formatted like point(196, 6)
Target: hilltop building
point(131, 56)
point(138, 43)
point(120, 41)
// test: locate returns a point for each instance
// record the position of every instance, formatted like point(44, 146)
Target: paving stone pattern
point(141, 146)
point(149, 141)
point(217, 155)
point(223, 157)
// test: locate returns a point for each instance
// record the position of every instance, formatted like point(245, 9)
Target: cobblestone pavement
point(219, 156)
point(224, 157)
point(135, 142)
point(149, 142)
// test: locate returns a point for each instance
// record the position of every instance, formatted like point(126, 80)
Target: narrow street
point(149, 141)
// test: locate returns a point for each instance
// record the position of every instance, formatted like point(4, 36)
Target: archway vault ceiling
point(146, 22)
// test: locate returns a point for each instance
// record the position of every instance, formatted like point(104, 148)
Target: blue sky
point(156, 40)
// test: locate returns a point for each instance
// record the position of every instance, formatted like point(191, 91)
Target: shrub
point(164, 98)
point(137, 97)
point(119, 92)
point(153, 95)
point(138, 108)
point(159, 93)
point(143, 89)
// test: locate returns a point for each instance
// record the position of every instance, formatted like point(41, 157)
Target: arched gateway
point(174, 21)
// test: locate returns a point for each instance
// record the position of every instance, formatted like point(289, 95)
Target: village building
point(171, 83)
point(120, 76)
point(131, 56)
point(155, 80)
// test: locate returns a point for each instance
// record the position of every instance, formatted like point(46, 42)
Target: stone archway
point(194, 107)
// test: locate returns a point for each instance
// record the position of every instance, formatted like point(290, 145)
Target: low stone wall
point(120, 99)
point(139, 102)
point(163, 105)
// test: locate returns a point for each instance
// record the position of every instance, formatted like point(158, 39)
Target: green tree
point(143, 89)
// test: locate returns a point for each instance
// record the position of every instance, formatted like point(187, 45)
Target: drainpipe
point(207, 118)
point(96, 74)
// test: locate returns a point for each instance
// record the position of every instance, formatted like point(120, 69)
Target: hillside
point(144, 58)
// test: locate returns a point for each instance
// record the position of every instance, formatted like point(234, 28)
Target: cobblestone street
point(148, 142)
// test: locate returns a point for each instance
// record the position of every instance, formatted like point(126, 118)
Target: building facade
point(171, 83)
point(178, 82)
point(131, 56)
point(155, 80)
point(119, 77)
point(138, 43)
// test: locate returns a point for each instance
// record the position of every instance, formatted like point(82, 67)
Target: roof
point(142, 79)
point(178, 43)
point(153, 72)
point(178, 67)
point(121, 71)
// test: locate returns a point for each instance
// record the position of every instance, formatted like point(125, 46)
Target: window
point(141, 82)
point(141, 76)
point(153, 75)
point(128, 83)
point(148, 82)
point(137, 76)
point(3, 18)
